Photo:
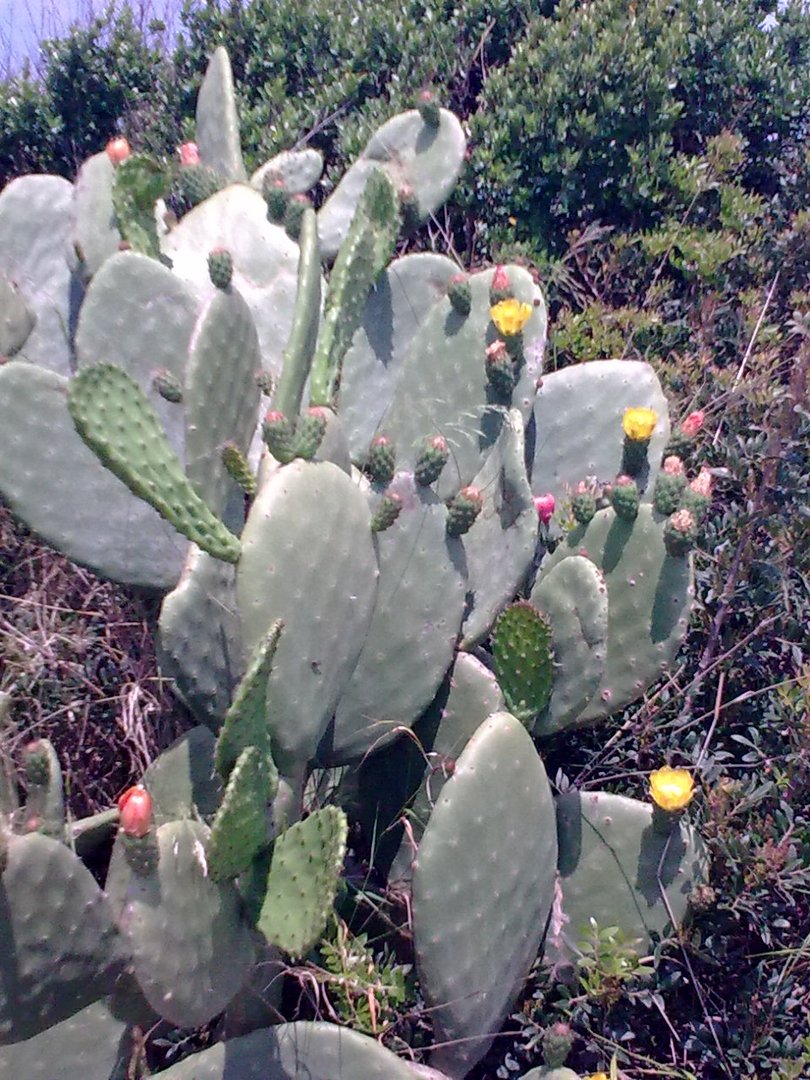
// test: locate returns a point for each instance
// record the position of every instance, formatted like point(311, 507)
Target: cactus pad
point(303, 878)
point(239, 829)
point(483, 884)
point(114, 417)
point(523, 660)
point(610, 857)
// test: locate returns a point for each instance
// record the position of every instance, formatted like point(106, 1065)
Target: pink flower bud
point(544, 505)
point(693, 423)
point(135, 809)
point(189, 154)
point(497, 350)
point(702, 484)
point(673, 466)
point(500, 280)
point(118, 150)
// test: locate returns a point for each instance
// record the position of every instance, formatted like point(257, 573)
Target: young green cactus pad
point(240, 829)
point(138, 183)
point(307, 514)
point(523, 660)
point(314, 1050)
point(34, 236)
point(58, 943)
point(483, 883)
point(578, 413)
point(246, 722)
point(616, 869)
point(649, 596)
point(573, 597)
point(47, 472)
point(190, 947)
point(303, 879)
point(114, 417)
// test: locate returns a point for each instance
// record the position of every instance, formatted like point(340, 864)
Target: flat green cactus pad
point(95, 234)
point(297, 170)
point(394, 311)
point(308, 514)
point(314, 1050)
point(200, 636)
point(649, 598)
point(609, 871)
point(500, 546)
point(303, 879)
point(58, 944)
point(142, 316)
point(182, 780)
point(221, 396)
point(444, 390)
point(57, 485)
point(218, 121)
point(115, 418)
point(34, 242)
point(578, 415)
point(190, 948)
point(483, 884)
point(93, 1044)
point(265, 261)
point(469, 696)
point(410, 642)
point(425, 159)
point(573, 596)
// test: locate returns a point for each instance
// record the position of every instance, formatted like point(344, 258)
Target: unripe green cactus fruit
point(500, 370)
point(197, 183)
point(624, 498)
point(167, 385)
point(459, 294)
point(309, 432)
point(431, 460)
point(277, 432)
point(463, 509)
point(386, 513)
point(220, 267)
point(381, 463)
point(583, 502)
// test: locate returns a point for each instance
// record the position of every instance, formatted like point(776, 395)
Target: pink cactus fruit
point(118, 150)
point(189, 154)
point(693, 423)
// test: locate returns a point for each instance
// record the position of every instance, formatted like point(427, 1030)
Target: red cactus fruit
point(189, 154)
point(135, 809)
point(118, 150)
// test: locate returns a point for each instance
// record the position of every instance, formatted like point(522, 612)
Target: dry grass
point(77, 654)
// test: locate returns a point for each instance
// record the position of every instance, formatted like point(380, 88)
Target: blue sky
point(23, 23)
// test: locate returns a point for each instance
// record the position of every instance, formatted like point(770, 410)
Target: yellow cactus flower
point(639, 423)
point(597, 1076)
point(510, 316)
point(671, 789)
